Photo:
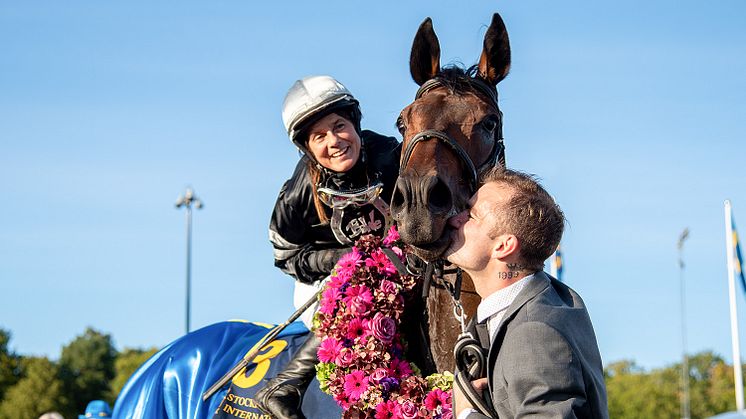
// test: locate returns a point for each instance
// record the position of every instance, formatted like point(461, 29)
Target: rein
point(497, 153)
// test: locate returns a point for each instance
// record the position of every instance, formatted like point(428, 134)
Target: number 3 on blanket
point(262, 362)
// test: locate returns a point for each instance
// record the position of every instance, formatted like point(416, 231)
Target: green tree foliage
point(633, 393)
point(10, 371)
point(39, 391)
point(86, 368)
point(128, 361)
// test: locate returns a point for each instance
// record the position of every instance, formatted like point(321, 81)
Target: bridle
point(497, 153)
point(470, 358)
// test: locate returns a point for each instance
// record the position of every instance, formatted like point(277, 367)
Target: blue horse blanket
point(170, 384)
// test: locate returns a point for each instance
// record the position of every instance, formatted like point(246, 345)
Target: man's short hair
point(531, 215)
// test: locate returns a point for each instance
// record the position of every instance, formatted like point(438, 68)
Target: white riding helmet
point(310, 99)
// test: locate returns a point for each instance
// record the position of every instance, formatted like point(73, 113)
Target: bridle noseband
point(497, 153)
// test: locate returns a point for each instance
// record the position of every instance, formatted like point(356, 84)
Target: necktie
point(483, 335)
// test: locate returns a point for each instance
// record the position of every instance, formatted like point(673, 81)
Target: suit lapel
point(538, 283)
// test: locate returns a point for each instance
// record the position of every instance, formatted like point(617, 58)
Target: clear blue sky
point(634, 114)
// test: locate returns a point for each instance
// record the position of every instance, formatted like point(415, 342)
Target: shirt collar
point(500, 299)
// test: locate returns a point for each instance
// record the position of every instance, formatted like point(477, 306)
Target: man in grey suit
point(543, 358)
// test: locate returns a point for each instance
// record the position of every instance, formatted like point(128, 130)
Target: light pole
point(685, 362)
point(187, 200)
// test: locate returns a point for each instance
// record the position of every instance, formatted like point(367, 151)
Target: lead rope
point(470, 360)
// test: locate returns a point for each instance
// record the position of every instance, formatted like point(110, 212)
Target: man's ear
point(506, 245)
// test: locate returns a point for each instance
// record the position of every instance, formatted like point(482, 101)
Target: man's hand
point(460, 402)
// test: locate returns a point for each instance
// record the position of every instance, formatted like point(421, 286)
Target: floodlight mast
point(188, 200)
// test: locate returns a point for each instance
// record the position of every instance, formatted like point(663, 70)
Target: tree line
point(90, 368)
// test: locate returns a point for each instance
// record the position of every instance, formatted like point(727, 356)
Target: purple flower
point(389, 384)
point(383, 328)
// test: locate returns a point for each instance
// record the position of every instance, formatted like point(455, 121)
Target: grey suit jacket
point(544, 360)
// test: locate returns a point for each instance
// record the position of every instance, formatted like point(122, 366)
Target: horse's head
point(452, 132)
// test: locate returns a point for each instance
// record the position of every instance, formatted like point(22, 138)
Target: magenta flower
point(360, 312)
point(329, 300)
point(356, 329)
point(400, 368)
point(387, 410)
point(329, 350)
point(379, 261)
point(350, 261)
point(355, 385)
point(437, 398)
point(392, 236)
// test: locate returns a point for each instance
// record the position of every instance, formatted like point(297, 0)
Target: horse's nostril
point(439, 199)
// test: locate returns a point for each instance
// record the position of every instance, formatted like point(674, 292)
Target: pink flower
point(329, 300)
point(383, 328)
point(381, 262)
point(392, 236)
point(437, 398)
point(356, 329)
point(336, 281)
point(358, 300)
point(408, 410)
point(400, 368)
point(387, 410)
point(350, 261)
point(345, 357)
point(329, 350)
point(389, 287)
point(355, 385)
point(379, 374)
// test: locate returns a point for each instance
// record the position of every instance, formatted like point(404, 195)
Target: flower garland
point(361, 352)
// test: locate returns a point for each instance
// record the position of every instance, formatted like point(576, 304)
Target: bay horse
point(452, 132)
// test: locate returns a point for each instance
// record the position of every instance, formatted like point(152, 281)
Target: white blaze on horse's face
point(334, 143)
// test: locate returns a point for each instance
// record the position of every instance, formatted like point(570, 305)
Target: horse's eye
point(400, 125)
point(490, 123)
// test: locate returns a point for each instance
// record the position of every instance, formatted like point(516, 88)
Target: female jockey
point(340, 190)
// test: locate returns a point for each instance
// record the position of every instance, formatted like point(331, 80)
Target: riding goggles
point(337, 199)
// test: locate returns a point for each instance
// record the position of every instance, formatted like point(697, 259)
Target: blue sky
point(633, 114)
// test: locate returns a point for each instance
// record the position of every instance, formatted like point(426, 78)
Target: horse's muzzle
point(421, 206)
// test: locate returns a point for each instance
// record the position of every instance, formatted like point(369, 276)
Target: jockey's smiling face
point(334, 143)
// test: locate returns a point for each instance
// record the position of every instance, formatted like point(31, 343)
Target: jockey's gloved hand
point(324, 260)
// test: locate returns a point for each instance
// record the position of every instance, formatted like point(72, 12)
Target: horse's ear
point(494, 63)
point(424, 61)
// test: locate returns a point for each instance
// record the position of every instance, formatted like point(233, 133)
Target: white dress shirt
point(492, 309)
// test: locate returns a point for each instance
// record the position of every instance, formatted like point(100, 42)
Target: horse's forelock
point(459, 81)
